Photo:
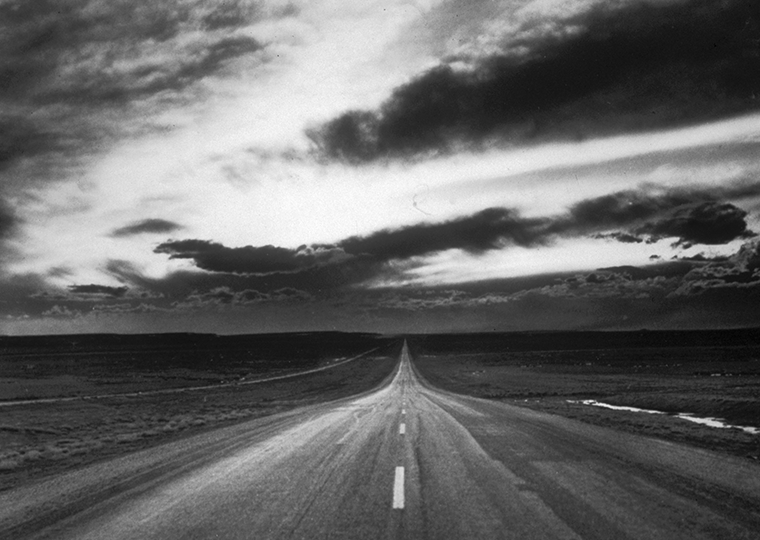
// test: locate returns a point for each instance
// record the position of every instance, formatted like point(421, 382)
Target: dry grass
point(712, 381)
point(40, 438)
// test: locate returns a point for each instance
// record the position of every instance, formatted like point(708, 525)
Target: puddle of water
point(716, 423)
point(712, 422)
point(614, 407)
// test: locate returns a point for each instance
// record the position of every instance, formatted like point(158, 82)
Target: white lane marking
point(403, 411)
point(398, 489)
point(402, 429)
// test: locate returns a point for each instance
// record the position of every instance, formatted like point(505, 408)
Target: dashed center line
point(402, 429)
point(398, 489)
point(403, 411)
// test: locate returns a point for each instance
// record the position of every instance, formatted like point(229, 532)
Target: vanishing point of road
point(404, 461)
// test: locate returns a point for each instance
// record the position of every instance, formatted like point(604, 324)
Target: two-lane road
point(410, 461)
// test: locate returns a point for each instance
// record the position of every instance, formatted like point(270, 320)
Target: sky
point(237, 166)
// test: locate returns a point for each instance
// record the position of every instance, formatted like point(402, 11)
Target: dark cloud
point(670, 269)
point(61, 311)
point(101, 290)
point(230, 15)
point(249, 259)
point(739, 271)
point(353, 258)
point(607, 284)
point(634, 205)
point(9, 226)
point(691, 215)
point(226, 296)
point(488, 229)
point(620, 237)
point(682, 293)
point(54, 50)
point(149, 226)
point(320, 281)
point(701, 257)
point(705, 223)
point(609, 70)
point(19, 137)
point(8, 220)
point(684, 286)
point(648, 213)
point(17, 292)
point(625, 207)
point(152, 79)
point(76, 67)
point(234, 14)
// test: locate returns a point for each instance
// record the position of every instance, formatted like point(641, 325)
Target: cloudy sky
point(246, 166)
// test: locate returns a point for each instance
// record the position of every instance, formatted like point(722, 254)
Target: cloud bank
point(216, 257)
point(687, 215)
point(613, 68)
point(93, 289)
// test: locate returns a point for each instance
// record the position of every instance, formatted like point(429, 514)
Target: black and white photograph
point(399, 269)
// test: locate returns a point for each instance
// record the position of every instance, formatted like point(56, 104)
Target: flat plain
point(66, 401)
point(70, 400)
point(709, 374)
point(401, 460)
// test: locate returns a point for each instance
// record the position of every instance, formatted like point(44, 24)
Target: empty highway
point(405, 461)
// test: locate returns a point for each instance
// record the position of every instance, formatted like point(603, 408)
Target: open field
point(708, 374)
point(105, 395)
point(85, 398)
point(403, 460)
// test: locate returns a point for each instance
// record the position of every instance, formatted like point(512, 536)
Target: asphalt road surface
point(405, 461)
